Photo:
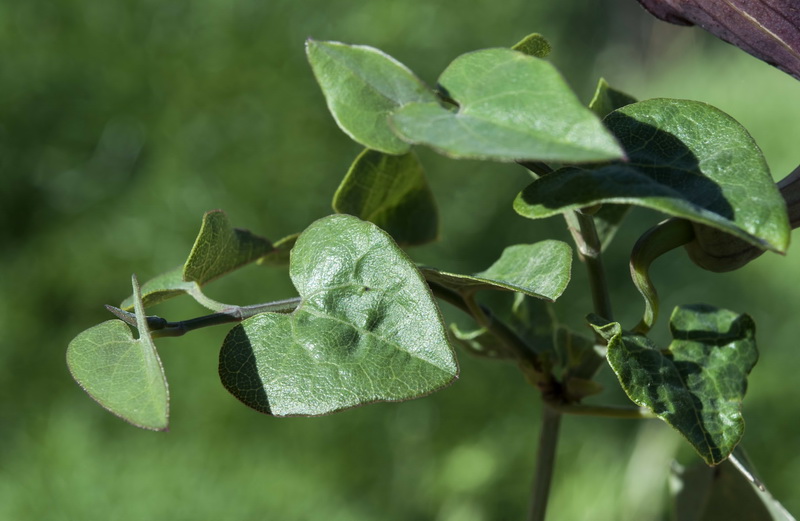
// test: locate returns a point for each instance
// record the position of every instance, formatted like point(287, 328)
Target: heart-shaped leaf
point(392, 192)
point(362, 86)
point(511, 107)
point(687, 159)
point(121, 373)
point(218, 249)
point(541, 270)
point(698, 384)
point(367, 329)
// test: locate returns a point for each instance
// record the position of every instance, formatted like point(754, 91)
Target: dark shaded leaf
point(392, 192)
point(698, 384)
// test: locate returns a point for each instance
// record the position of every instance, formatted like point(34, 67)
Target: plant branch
point(545, 463)
point(161, 327)
point(584, 232)
point(494, 325)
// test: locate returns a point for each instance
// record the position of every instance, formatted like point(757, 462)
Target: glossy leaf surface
point(698, 384)
point(392, 192)
point(367, 329)
point(541, 270)
point(687, 159)
point(218, 249)
point(121, 373)
point(510, 107)
point(362, 86)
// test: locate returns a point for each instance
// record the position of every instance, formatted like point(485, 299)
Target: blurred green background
point(122, 121)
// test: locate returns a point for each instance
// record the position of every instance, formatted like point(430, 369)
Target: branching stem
point(160, 327)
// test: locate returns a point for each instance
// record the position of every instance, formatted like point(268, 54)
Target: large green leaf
point(541, 270)
point(367, 329)
point(218, 249)
point(698, 384)
point(121, 373)
point(686, 159)
point(392, 192)
point(511, 107)
point(362, 86)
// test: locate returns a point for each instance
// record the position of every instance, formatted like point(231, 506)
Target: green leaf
point(541, 270)
point(533, 45)
point(686, 159)
point(282, 252)
point(121, 373)
point(607, 219)
point(362, 86)
point(607, 99)
point(392, 192)
point(703, 493)
point(367, 329)
point(511, 107)
point(218, 250)
point(698, 384)
point(480, 342)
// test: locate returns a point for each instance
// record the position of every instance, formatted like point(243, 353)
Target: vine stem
point(545, 463)
point(581, 226)
point(161, 327)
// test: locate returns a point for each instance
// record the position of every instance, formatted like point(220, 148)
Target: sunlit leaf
point(541, 270)
point(533, 45)
point(367, 329)
point(218, 249)
point(607, 99)
point(121, 373)
point(362, 86)
point(510, 107)
point(698, 384)
point(687, 159)
point(392, 192)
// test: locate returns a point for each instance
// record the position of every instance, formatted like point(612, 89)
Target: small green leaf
point(281, 254)
point(607, 99)
point(218, 249)
point(121, 373)
point(512, 107)
point(362, 86)
point(533, 45)
point(698, 384)
point(392, 192)
point(703, 493)
point(541, 270)
point(367, 329)
point(686, 159)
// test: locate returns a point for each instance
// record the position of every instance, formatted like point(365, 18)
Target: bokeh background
point(122, 121)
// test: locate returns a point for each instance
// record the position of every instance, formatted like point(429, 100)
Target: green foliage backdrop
point(122, 122)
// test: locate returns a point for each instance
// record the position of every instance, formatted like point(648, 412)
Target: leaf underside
point(121, 373)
